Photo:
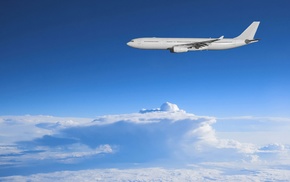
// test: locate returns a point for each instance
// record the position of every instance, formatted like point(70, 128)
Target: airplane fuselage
point(169, 43)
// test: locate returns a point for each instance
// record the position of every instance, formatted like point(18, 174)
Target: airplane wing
point(201, 44)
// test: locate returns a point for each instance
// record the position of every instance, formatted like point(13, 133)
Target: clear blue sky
point(70, 58)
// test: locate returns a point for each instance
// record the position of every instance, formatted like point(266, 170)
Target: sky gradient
point(71, 58)
point(78, 104)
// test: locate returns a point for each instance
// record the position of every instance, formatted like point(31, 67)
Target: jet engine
point(178, 49)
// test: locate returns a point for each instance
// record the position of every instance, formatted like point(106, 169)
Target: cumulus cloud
point(165, 107)
point(166, 136)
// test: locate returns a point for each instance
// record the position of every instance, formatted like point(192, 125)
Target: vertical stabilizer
point(250, 32)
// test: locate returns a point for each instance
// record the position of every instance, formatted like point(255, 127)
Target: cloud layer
point(162, 137)
point(161, 174)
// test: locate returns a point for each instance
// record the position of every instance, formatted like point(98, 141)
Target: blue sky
point(70, 58)
point(66, 64)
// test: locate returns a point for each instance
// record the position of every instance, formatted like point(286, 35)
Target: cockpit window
point(132, 40)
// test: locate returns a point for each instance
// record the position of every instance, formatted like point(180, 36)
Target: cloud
point(273, 147)
point(164, 137)
point(220, 173)
point(20, 128)
point(165, 107)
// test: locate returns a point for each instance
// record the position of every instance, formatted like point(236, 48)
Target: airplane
point(180, 45)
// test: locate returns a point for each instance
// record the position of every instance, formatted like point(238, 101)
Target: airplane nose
point(129, 44)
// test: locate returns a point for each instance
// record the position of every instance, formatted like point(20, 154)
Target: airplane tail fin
point(250, 32)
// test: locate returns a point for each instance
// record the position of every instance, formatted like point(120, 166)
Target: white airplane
point(178, 45)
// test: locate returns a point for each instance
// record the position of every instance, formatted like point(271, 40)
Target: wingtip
point(221, 37)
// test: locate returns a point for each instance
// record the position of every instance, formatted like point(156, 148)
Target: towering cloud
point(165, 107)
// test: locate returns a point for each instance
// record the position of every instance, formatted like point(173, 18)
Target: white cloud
point(166, 136)
point(273, 147)
point(220, 173)
point(19, 128)
point(165, 107)
point(69, 153)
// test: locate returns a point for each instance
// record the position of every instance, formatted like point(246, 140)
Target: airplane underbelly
point(221, 46)
point(225, 45)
